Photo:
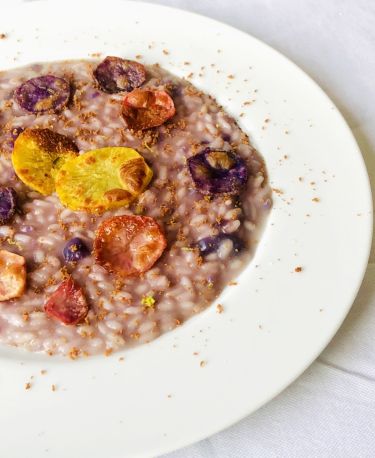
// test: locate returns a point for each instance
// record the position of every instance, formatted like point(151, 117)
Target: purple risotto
point(129, 199)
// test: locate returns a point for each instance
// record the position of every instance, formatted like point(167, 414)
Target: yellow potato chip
point(102, 179)
point(38, 154)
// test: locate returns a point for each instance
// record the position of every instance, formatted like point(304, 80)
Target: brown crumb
point(298, 269)
point(316, 199)
point(121, 358)
point(166, 52)
point(3, 36)
point(232, 283)
point(43, 372)
point(196, 353)
point(53, 387)
point(277, 191)
point(202, 363)
point(138, 56)
point(95, 54)
point(231, 77)
point(108, 351)
point(219, 308)
point(74, 353)
point(27, 386)
point(169, 396)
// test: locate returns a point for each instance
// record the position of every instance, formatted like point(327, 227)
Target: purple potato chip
point(8, 204)
point(209, 245)
point(75, 250)
point(43, 94)
point(218, 172)
point(116, 75)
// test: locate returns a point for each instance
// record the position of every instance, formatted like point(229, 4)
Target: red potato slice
point(12, 275)
point(68, 303)
point(146, 108)
point(128, 244)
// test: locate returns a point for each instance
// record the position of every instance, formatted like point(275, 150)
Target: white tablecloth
point(330, 410)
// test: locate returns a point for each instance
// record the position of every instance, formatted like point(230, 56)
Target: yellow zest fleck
point(147, 147)
point(148, 301)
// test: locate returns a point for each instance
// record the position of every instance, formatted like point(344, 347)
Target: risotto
point(128, 200)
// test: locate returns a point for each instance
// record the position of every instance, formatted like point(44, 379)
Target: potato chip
point(38, 154)
point(12, 275)
point(102, 179)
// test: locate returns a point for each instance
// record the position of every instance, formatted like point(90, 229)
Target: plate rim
point(359, 157)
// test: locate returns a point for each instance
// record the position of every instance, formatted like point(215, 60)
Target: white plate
point(276, 321)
